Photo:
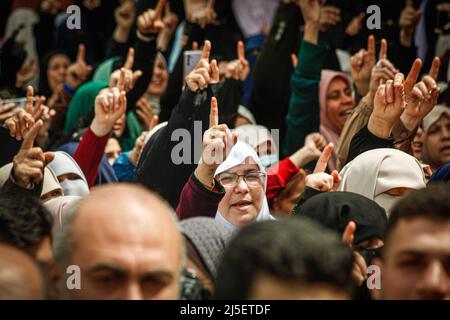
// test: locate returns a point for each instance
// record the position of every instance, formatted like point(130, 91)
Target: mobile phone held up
point(18, 102)
point(190, 60)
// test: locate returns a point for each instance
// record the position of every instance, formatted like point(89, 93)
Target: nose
point(241, 186)
point(435, 283)
point(346, 99)
point(133, 292)
point(446, 132)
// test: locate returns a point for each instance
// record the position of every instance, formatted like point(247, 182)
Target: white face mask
point(387, 202)
point(74, 187)
point(268, 160)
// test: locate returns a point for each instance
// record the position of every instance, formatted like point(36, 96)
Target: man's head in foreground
point(286, 259)
point(126, 243)
point(416, 257)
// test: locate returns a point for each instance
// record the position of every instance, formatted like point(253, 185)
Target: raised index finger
point(371, 46)
point(159, 9)
point(206, 50)
point(31, 135)
point(240, 50)
point(434, 70)
point(30, 98)
point(413, 74)
point(321, 165)
point(130, 59)
point(383, 49)
point(81, 55)
point(214, 113)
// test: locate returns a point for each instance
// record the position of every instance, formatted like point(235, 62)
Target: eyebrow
point(151, 275)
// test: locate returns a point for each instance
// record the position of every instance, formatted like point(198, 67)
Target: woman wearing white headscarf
point(232, 191)
point(383, 175)
point(69, 174)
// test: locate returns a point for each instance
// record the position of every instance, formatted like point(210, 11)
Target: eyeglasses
point(253, 179)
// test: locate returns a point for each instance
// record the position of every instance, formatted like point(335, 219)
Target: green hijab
point(83, 103)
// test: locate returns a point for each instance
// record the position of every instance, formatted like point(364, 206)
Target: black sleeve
point(229, 98)
point(115, 48)
point(364, 141)
point(172, 156)
point(8, 146)
point(402, 57)
point(273, 69)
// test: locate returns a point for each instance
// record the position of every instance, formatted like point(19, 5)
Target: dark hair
point(431, 203)
point(289, 249)
point(24, 221)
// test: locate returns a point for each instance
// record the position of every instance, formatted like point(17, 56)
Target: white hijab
point(376, 171)
point(62, 164)
point(238, 154)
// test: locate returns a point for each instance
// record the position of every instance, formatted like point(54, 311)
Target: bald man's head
point(126, 242)
point(20, 277)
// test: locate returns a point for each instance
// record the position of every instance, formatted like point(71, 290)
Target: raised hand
point(217, 143)
point(329, 17)
point(29, 163)
point(238, 69)
point(310, 11)
point(170, 21)
point(320, 180)
point(110, 105)
point(315, 143)
point(421, 97)
point(203, 16)
point(138, 146)
point(78, 72)
point(355, 25)
point(7, 111)
point(205, 72)
point(23, 119)
point(359, 271)
point(149, 22)
point(145, 114)
point(389, 104)
point(124, 78)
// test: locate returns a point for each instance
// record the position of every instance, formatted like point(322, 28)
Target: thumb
point(349, 233)
point(214, 71)
point(49, 156)
point(31, 135)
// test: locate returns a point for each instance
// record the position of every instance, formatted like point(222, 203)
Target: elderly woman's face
point(339, 102)
point(242, 203)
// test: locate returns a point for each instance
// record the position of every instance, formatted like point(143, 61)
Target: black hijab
point(335, 210)
point(44, 88)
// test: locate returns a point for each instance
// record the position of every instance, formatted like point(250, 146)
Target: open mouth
point(242, 205)
point(346, 113)
point(445, 149)
point(417, 145)
point(157, 82)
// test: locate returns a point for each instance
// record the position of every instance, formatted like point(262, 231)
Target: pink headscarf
point(327, 128)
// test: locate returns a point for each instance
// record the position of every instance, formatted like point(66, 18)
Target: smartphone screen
point(190, 60)
point(19, 102)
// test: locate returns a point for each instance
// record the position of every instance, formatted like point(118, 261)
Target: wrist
point(100, 129)
point(204, 175)
point(302, 157)
point(145, 37)
point(133, 156)
point(409, 123)
point(379, 127)
point(311, 32)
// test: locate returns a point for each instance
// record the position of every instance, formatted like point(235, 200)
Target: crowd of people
point(228, 149)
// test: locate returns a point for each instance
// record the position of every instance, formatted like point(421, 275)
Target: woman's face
point(417, 144)
point(56, 71)
point(339, 102)
point(241, 203)
point(112, 150)
point(160, 79)
point(437, 141)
